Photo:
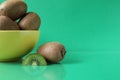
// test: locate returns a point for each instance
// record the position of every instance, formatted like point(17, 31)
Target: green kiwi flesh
point(34, 60)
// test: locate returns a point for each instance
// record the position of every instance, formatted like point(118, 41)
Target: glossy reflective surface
point(17, 71)
point(87, 65)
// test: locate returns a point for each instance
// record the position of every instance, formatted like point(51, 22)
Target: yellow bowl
point(15, 44)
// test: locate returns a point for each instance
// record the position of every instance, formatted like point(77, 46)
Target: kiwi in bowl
point(14, 44)
point(19, 30)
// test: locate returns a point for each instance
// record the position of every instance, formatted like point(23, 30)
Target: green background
point(89, 29)
point(79, 24)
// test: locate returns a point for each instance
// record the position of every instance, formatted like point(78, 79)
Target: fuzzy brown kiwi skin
point(14, 9)
point(30, 21)
point(54, 52)
point(7, 24)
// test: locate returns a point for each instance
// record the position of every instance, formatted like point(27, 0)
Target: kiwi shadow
point(72, 59)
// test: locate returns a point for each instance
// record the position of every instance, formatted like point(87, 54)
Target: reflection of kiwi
point(34, 70)
point(35, 60)
point(54, 72)
point(7, 24)
point(22, 72)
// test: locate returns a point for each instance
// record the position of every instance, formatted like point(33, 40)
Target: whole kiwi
point(31, 21)
point(14, 9)
point(7, 24)
point(52, 51)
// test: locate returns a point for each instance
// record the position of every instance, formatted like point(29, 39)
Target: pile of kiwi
point(14, 16)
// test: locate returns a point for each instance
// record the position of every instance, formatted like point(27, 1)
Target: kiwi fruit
point(34, 60)
point(7, 24)
point(53, 52)
point(31, 21)
point(14, 9)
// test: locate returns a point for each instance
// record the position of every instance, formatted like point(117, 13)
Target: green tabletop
point(89, 65)
point(90, 31)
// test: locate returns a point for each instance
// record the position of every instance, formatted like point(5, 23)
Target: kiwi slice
point(34, 60)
